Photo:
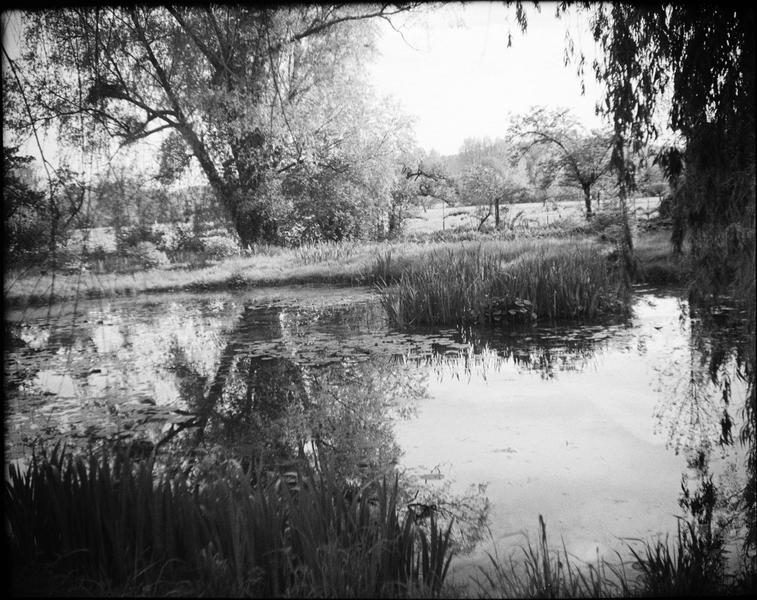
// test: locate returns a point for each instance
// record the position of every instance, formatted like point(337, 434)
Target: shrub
point(220, 246)
point(31, 216)
point(164, 233)
point(130, 237)
point(305, 230)
point(147, 254)
point(176, 237)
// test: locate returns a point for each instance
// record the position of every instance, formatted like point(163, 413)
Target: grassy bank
point(656, 261)
point(335, 263)
point(265, 266)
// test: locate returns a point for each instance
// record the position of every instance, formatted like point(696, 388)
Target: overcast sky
point(460, 79)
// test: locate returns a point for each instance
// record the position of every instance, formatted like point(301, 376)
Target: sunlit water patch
point(591, 426)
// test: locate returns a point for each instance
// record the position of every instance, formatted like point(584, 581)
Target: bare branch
point(383, 12)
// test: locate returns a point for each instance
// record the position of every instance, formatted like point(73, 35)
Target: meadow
point(348, 262)
point(439, 217)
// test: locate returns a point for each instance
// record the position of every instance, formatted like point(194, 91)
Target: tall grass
point(324, 251)
point(121, 522)
point(500, 282)
point(129, 526)
point(693, 565)
point(545, 573)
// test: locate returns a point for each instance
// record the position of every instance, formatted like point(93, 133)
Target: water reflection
point(281, 408)
point(545, 350)
point(238, 372)
point(707, 404)
point(492, 427)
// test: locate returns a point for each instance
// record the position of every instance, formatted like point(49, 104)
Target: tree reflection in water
point(277, 407)
point(546, 350)
point(712, 398)
point(275, 410)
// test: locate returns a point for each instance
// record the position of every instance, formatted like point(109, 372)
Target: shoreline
point(656, 262)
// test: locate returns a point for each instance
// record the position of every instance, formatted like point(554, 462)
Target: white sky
point(462, 79)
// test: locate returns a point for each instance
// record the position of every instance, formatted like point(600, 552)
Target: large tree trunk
point(247, 216)
point(496, 213)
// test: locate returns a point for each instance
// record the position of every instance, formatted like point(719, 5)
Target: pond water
point(591, 426)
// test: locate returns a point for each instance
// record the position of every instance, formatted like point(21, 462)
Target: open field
point(438, 217)
point(532, 214)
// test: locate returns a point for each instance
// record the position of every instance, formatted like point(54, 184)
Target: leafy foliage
point(575, 158)
point(250, 93)
point(38, 223)
point(22, 206)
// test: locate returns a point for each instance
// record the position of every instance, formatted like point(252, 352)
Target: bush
point(176, 237)
point(220, 246)
point(148, 255)
point(28, 235)
point(296, 233)
point(654, 189)
point(31, 216)
point(130, 237)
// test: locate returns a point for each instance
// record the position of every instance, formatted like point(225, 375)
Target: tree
point(421, 177)
point(36, 222)
point(250, 93)
point(577, 158)
point(489, 177)
point(485, 185)
point(696, 64)
point(22, 205)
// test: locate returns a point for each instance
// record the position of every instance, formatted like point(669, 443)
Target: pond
point(591, 426)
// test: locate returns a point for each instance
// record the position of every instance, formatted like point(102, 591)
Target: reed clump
point(135, 526)
point(502, 282)
point(541, 572)
point(693, 565)
point(325, 251)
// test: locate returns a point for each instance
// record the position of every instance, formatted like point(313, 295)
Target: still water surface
point(591, 426)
